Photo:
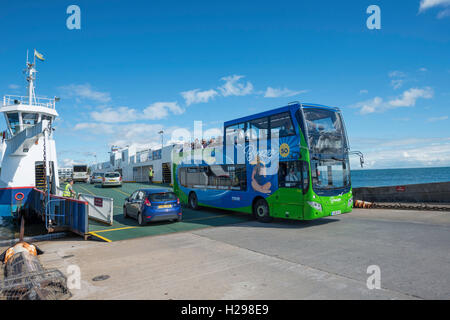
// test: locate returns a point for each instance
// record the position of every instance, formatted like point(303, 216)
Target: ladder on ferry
point(40, 178)
point(166, 175)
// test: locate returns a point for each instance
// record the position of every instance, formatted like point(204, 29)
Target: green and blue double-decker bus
point(290, 162)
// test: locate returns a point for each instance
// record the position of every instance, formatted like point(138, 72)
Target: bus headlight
point(315, 205)
point(350, 202)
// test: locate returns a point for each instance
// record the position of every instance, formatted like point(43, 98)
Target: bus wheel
point(262, 212)
point(193, 202)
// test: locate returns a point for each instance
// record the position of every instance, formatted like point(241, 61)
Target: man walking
point(68, 190)
point(150, 175)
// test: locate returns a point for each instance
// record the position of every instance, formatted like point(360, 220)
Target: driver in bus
point(292, 176)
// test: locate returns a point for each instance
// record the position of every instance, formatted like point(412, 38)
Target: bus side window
point(305, 176)
point(182, 176)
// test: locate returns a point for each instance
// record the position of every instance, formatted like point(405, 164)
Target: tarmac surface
point(239, 258)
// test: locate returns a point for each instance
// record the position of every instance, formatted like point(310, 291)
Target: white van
point(80, 173)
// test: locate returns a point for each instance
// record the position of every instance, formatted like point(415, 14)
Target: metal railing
point(37, 101)
point(66, 213)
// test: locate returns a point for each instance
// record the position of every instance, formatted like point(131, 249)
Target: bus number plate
point(334, 213)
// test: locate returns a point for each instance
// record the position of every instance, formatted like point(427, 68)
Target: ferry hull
point(11, 199)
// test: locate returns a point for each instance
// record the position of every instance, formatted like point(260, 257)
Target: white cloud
point(276, 93)
point(112, 115)
point(84, 91)
point(397, 83)
point(13, 86)
point(434, 119)
point(155, 111)
point(396, 74)
point(363, 91)
point(160, 110)
point(123, 134)
point(232, 87)
point(427, 4)
point(369, 106)
point(197, 96)
point(95, 127)
point(409, 97)
point(443, 14)
point(66, 163)
point(423, 69)
point(403, 153)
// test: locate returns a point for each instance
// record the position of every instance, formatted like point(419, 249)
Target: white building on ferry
point(134, 164)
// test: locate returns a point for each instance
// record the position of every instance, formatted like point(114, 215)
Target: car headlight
point(350, 202)
point(315, 205)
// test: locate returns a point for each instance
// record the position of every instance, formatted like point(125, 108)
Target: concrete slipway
point(240, 258)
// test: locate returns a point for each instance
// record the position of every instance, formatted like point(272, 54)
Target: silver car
point(112, 179)
point(97, 177)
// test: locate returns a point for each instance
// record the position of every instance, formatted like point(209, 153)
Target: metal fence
point(99, 208)
point(64, 213)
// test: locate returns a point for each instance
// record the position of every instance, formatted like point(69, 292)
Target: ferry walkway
point(128, 228)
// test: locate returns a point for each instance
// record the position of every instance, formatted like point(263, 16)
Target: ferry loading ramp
point(128, 228)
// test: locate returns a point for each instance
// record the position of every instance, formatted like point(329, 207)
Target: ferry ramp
point(128, 228)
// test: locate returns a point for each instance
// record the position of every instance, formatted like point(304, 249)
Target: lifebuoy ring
point(19, 196)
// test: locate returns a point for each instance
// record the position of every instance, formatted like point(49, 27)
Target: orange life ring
point(21, 196)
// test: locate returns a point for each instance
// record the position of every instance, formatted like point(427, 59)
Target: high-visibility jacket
point(150, 173)
point(67, 192)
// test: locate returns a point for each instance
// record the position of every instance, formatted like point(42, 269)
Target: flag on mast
point(38, 55)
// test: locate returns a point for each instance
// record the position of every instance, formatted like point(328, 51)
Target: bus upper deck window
point(282, 124)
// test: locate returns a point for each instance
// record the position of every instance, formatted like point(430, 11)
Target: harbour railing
point(36, 101)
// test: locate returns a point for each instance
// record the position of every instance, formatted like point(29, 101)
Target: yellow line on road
point(121, 192)
point(116, 229)
point(87, 190)
point(96, 235)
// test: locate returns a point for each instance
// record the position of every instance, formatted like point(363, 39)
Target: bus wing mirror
point(361, 157)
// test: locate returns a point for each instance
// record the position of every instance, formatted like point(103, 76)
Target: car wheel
point(193, 202)
point(141, 219)
point(262, 211)
point(125, 215)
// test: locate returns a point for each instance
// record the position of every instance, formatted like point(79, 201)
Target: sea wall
point(425, 192)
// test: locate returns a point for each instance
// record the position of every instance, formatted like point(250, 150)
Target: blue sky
point(136, 67)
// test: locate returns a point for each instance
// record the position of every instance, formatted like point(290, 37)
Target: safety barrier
point(100, 209)
point(63, 213)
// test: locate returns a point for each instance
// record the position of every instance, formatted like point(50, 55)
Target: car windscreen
point(161, 197)
point(112, 175)
point(80, 169)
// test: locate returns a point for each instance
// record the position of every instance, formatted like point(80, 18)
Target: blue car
point(151, 204)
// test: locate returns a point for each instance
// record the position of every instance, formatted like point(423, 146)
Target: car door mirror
point(127, 199)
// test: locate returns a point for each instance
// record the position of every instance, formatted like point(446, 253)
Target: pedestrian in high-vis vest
point(68, 190)
point(150, 175)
